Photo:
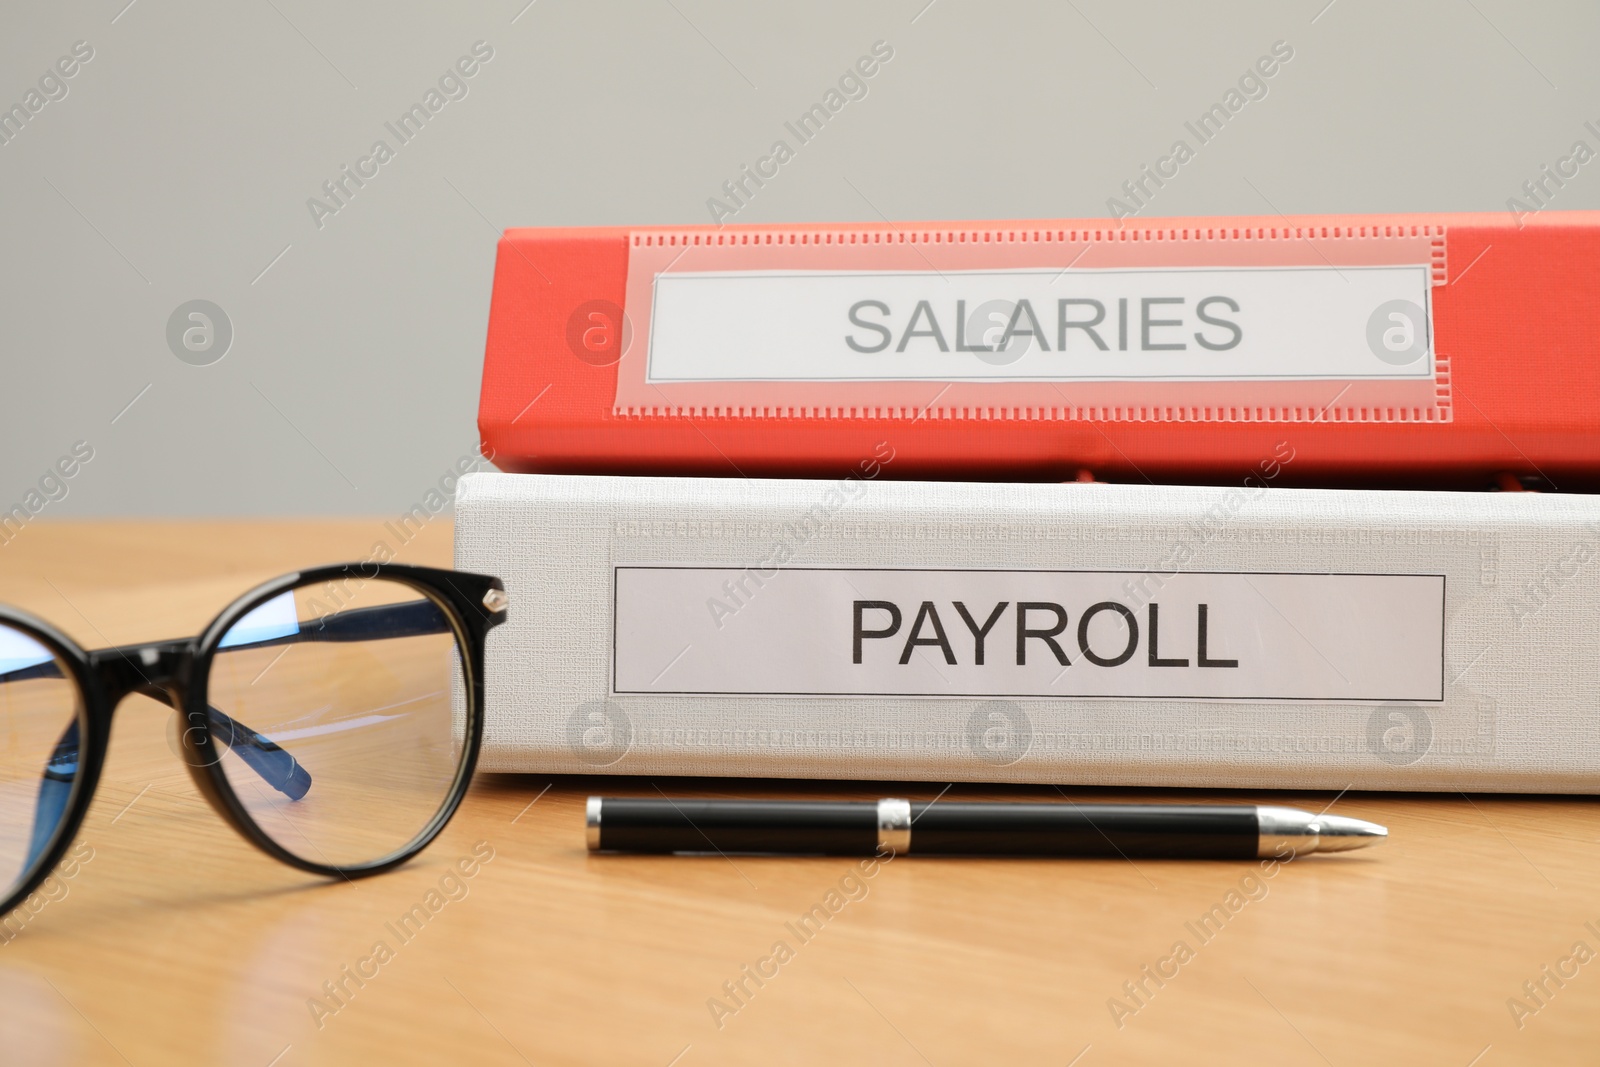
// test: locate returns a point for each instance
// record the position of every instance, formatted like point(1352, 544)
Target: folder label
point(1171, 324)
point(1193, 326)
point(781, 631)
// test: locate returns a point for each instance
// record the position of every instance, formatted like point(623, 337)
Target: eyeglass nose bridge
point(159, 669)
point(164, 671)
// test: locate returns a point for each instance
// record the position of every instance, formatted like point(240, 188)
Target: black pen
point(953, 828)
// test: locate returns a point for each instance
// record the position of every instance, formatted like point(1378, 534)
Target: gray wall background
point(179, 163)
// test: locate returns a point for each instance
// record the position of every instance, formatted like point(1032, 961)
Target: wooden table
point(175, 942)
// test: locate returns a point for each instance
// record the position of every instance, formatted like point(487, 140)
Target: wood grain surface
point(1472, 937)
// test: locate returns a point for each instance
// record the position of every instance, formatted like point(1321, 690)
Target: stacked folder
point(1227, 502)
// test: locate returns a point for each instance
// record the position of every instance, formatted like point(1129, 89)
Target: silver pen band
point(591, 823)
point(894, 826)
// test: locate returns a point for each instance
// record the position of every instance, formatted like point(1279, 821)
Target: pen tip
point(1340, 833)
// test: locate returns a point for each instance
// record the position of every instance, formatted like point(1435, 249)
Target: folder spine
point(1245, 636)
point(1437, 350)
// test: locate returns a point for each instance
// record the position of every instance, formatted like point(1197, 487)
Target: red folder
point(1442, 350)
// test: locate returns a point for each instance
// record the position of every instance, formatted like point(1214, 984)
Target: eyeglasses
point(332, 717)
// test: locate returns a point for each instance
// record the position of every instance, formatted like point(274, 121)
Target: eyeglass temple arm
point(55, 791)
point(276, 765)
point(266, 757)
point(415, 618)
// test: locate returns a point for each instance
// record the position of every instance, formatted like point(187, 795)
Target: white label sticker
point(1028, 633)
point(1171, 324)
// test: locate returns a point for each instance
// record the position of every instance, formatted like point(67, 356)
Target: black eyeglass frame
point(176, 673)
